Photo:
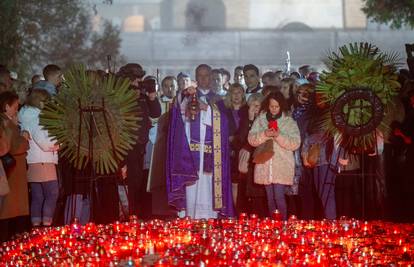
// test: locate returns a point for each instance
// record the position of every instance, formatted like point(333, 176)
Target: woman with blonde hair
point(288, 89)
point(42, 159)
point(235, 97)
point(234, 101)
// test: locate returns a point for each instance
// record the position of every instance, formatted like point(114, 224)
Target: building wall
point(119, 12)
point(354, 17)
point(240, 14)
point(253, 33)
point(275, 14)
point(176, 51)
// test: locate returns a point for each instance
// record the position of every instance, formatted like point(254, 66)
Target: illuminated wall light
point(134, 24)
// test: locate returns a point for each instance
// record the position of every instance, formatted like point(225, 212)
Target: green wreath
point(357, 100)
point(358, 87)
point(87, 90)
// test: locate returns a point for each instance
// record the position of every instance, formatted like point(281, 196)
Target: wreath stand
point(91, 175)
point(352, 74)
point(354, 99)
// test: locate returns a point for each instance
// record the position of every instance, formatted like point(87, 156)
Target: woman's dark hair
point(7, 98)
point(275, 96)
point(268, 89)
point(291, 83)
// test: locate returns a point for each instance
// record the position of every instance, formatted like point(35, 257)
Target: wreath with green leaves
point(103, 108)
point(358, 87)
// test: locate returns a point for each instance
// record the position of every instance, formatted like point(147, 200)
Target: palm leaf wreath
point(61, 118)
point(358, 86)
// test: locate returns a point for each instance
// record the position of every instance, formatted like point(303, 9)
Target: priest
point(198, 167)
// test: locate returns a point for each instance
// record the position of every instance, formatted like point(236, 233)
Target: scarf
point(271, 117)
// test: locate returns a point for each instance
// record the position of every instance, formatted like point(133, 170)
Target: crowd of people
point(208, 146)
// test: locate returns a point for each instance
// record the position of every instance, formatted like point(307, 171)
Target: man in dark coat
point(148, 106)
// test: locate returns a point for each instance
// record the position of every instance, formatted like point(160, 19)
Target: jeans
point(276, 198)
point(79, 207)
point(324, 178)
point(44, 197)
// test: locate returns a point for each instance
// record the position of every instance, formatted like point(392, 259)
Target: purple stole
point(195, 145)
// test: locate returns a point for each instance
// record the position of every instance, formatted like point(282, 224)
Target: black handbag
point(8, 162)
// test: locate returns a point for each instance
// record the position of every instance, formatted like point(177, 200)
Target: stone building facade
point(164, 15)
point(177, 35)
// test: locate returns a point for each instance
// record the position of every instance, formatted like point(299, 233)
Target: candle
point(246, 241)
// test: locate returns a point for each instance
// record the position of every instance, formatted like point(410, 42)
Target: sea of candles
point(246, 241)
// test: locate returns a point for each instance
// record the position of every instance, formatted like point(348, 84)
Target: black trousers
point(137, 181)
point(348, 194)
point(306, 195)
point(106, 200)
point(374, 187)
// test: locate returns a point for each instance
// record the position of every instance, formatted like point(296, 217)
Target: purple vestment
point(182, 163)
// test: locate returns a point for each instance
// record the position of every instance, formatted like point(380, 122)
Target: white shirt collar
point(166, 99)
point(204, 91)
point(222, 92)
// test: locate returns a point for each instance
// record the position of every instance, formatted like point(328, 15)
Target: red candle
point(273, 125)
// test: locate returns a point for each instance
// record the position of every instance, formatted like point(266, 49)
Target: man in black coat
point(148, 106)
